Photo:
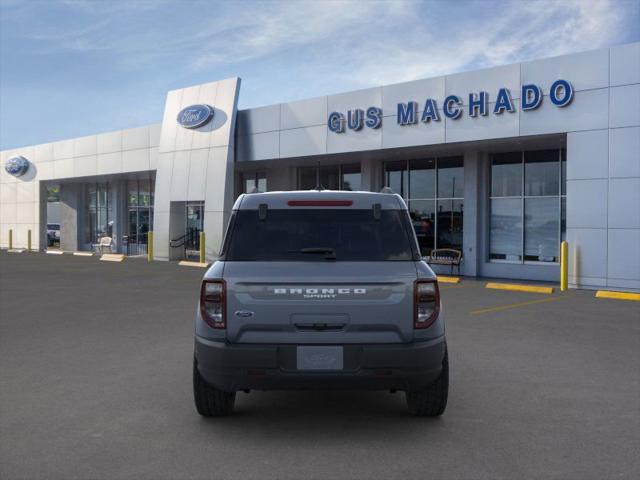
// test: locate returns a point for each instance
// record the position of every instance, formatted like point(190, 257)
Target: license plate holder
point(320, 358)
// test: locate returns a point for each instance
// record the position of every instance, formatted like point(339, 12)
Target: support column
point(83, 218)
point(371, 175)
point(42, 218)
point(123, 213)
point(177, 223)
point(69, 212)
point(472, 213)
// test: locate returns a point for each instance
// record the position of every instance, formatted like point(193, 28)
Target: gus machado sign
point(560, 95)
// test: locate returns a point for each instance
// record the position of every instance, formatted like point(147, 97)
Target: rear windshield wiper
point(330, 253)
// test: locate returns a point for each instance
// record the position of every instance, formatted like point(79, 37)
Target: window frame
point(560, 196)
point(256, 176)
point(101, 189)
point(406, 182)
point(318, 167)
point(139, 206)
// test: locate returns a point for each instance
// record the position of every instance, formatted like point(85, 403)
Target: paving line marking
point(443, 287)
point(83, 254)
point(515, 287)
point(618, 295)
point(516, 305)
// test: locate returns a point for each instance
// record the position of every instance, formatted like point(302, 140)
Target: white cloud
point(384, 41)
point(287, 26)
point(521, 31)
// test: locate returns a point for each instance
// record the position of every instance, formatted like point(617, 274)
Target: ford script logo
point(17, 166)
point(195, 116)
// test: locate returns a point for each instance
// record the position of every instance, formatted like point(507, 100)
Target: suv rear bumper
point(232, 367)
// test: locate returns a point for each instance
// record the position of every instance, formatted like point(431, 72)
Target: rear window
point(319, 235)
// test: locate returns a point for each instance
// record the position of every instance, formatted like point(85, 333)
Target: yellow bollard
point(202, 259)
point(29, 240)
point(150, 246)
point(564, 266)
point(10, 239)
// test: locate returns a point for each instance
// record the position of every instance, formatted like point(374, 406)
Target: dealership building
point(502, 164)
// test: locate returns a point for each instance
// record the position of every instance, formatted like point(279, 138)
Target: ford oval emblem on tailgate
point(244, 313)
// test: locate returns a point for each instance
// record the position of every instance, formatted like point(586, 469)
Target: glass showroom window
point(330, 177)
point(434, 190)
point(100, 212)
point(254, 180)
point(527, 206)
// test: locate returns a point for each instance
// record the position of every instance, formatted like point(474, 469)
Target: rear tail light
point(426, 303)
point(213, 303)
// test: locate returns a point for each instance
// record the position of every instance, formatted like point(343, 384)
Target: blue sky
point(78, 67)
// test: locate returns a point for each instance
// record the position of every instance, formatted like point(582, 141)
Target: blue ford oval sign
point(195, 116)
point(17, 166)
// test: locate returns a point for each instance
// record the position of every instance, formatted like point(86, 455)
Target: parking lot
point(95, 382)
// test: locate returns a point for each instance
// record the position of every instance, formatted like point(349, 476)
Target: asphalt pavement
point(95, 383)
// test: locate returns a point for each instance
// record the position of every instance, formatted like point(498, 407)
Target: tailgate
point(320, 302)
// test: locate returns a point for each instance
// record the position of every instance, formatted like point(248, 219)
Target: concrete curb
point(448, 279)
point(514, 287)
point(186, 263)
point(112, 257)
point(634, 297)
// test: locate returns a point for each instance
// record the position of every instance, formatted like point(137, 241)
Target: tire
point(432, 401)
point(211, 402)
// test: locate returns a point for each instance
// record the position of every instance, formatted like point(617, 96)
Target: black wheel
point(210, 402)
point(432, 401)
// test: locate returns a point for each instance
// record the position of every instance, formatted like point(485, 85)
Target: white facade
point(600, 130)
point(21, 208)
point(196, 165)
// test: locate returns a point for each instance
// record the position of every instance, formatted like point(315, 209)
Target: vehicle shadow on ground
point(318, 416)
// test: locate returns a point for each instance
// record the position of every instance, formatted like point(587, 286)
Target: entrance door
point(140, 215)
point(53, 216)
point(194, 225)
point(132, 238)
point(139, 224)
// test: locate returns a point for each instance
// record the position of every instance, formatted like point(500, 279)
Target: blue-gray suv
point(320, 290)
